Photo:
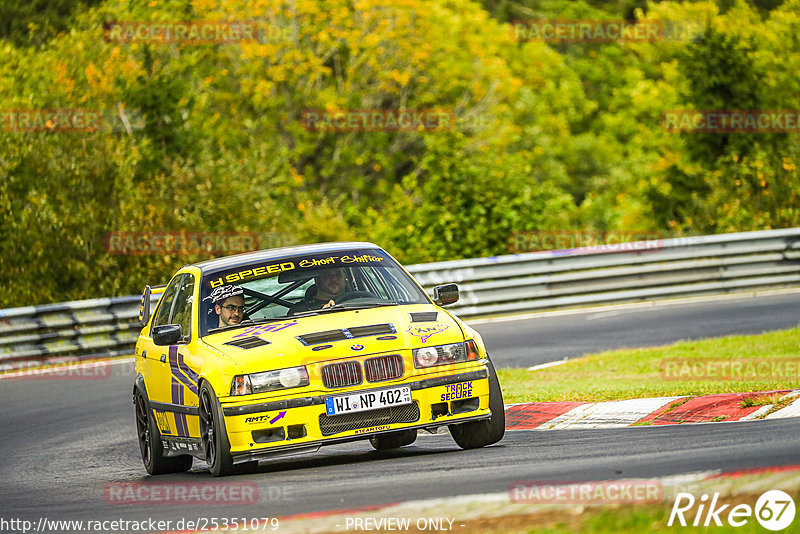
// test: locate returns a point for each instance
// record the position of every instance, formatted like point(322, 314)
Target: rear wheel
point(393, 440)
point(216, 446)
point(481, 433)
point(150, 442)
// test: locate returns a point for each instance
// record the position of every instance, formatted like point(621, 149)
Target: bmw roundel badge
point(357, 347)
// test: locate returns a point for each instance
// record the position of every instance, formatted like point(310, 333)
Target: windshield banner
point(302, 265)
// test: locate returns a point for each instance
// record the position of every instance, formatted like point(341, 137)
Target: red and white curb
point(725, 407)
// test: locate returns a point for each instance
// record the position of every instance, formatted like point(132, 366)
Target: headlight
point(291, 377)
point(445, 354)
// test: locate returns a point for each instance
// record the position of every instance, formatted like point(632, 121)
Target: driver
point(330, 285)
point(229, 304)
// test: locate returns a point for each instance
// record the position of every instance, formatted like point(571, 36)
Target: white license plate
point(368, 400)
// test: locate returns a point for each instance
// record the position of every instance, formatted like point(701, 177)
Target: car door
point(171, 385)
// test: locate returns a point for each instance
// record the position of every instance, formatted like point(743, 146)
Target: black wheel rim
point(143, 430)
point(207, 427)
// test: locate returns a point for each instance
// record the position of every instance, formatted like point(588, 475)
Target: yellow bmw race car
point(282, 351)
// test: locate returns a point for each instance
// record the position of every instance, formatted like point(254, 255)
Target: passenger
point(229, 304)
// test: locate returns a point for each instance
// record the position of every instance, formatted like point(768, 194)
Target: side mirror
point(144, 309)
point(445, 294)
point(167, 334)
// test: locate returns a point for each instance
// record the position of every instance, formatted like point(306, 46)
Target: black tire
point(150, 445)
point(393, 440)
point(214, 438)
point(482, 433)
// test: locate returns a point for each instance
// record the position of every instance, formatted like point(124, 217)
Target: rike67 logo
point(774, 510)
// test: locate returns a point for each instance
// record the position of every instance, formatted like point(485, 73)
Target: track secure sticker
point(425, 332)
point(457, 391)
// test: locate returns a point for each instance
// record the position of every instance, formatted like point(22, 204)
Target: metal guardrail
point(69, 330)
point(660, 269)
point(498, 285)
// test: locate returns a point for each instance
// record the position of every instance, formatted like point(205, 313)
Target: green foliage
point(466, 203)
point(548, 136)
point(33, 22)
point(720, 74)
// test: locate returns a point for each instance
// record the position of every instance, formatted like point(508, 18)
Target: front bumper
point(297, 425)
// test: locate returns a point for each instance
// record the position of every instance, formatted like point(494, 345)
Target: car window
point(175, 306)
point(182, 310)
point(166, 301)
point(385, 283)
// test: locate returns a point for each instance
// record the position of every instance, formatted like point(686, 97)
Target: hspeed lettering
point(253, 273)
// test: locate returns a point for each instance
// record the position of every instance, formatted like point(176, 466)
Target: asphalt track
point(548, 337)
point(65, 441)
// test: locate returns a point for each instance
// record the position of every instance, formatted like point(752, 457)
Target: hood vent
point(423, 317)
point(371, 330)
point(346, 333)
point(322, 337)
point(248, 342)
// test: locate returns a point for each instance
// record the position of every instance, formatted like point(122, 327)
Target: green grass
point(638, 373)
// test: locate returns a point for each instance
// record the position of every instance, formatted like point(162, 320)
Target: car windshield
point(295, 286)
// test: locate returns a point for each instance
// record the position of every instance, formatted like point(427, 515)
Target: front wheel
point(150, 443)
point(216, 446)
point(393, 440)
point(481, 433)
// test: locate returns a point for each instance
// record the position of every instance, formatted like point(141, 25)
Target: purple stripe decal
point(173, 364)
point(183, 415)
point(177, 389)
point(194, 377)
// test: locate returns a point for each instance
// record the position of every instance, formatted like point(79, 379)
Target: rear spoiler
point(149, 293)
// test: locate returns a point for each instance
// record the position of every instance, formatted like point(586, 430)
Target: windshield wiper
point(246, 322)
point(307, 313)
point(270, 319)
point(362, 305)
point(343, 307)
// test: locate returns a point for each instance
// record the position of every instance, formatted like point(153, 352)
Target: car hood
point(331, 336)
